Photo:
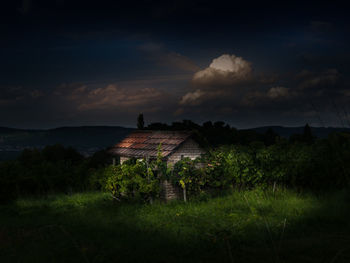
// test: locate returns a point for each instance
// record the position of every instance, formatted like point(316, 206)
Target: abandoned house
point(174, 145)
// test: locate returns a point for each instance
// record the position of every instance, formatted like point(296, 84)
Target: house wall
point(123, 159)
point(170, 191)
point(189, 149)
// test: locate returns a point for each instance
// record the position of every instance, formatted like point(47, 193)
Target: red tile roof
point(145, 143)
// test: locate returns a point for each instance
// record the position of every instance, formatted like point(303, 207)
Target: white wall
point(189, 149)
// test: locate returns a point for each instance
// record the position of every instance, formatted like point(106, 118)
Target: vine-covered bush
point(232, 167)
point(189, 176)
point(136, 181)
point(322, 165)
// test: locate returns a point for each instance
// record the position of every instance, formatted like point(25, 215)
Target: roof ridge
point(148, 141)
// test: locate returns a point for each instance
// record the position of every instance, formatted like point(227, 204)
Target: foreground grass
point(250, 226)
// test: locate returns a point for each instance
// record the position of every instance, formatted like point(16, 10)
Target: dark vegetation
point(140, 122)
point(235, 160)
point(252, 198)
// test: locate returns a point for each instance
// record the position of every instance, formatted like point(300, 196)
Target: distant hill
point(86, 139)
point(319, 132)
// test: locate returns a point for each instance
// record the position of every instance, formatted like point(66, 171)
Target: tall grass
point(247, 226)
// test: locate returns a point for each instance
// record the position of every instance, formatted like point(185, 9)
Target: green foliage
point(232, 167)
point(98, 178)
point(132, 181)
point(160, 165)
point(272, 162)
point(322, 165)
point(188, 176)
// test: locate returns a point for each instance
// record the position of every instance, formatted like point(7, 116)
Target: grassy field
point(250, 226)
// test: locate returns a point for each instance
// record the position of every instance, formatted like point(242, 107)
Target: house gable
point(145, 144)
point(189, 148)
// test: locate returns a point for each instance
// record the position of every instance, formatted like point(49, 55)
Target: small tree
point(140, 122)
point(307, 136)
point(270, 137)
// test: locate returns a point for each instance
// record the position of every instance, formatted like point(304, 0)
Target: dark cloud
point(13, 95)
point(325, 80)
point(171, 60)
point(324, 60)
point(273, 96)
point(321, 26)
point(166, 58)
point(111, 97)
point(25, 7)
point(112, 102)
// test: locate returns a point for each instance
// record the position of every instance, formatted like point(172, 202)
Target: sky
point(75, 63)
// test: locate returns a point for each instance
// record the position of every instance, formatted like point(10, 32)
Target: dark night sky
point(70, 63)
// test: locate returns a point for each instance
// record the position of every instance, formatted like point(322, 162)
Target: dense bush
point(322, 165)
point(188, 176)
point(132, 181)
point(54, 169)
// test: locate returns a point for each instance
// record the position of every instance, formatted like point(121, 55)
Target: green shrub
point(132, 181)
point(188, 176)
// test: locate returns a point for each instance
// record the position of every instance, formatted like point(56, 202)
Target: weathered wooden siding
point(123, 159)
point(169, 191)
point(189, 149)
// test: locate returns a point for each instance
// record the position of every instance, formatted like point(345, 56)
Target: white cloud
point(192, 97)
point(231, 63)
point(225, 79)
point(226, 69)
